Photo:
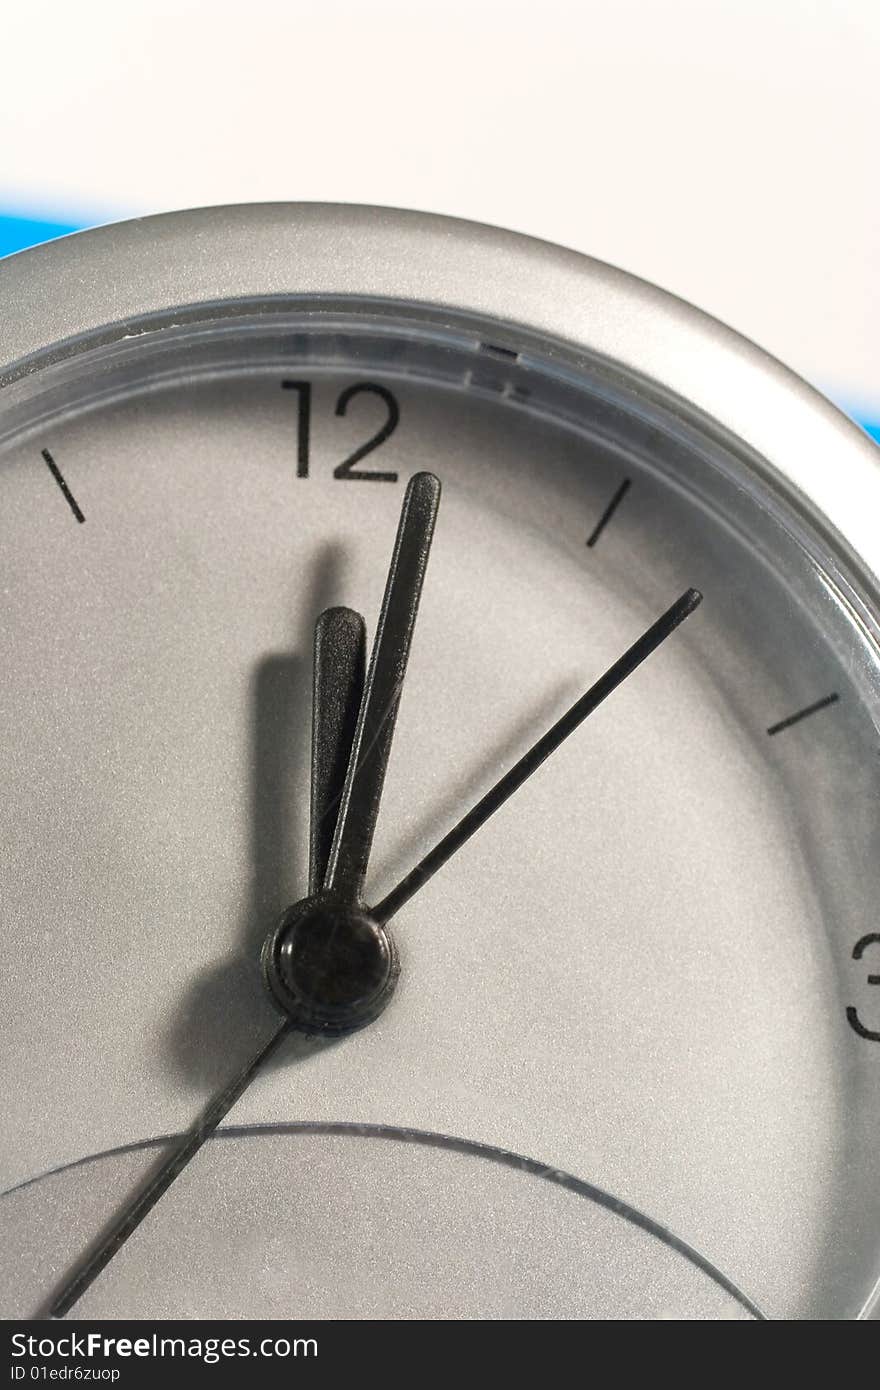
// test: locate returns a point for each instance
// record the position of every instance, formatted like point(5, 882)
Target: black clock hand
point(340, 658)
point(162, 1179)
point(370, 750)
point(521, 771)
point(337, 684)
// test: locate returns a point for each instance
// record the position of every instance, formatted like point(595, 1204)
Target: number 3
point(872, 939)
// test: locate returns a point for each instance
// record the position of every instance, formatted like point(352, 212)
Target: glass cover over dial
point(629, 1067)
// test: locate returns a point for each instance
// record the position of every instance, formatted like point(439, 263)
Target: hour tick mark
point(59, 478)
point(609, 511)
point(802, 714)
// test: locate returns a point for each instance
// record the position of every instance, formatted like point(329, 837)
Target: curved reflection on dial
point(354, 1231)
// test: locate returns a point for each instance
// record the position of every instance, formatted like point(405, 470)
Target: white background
point(725, 149)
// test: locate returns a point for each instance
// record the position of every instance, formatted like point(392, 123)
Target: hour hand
point(338, 683)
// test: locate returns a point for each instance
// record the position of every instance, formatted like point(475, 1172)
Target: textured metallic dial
point(630, 1066)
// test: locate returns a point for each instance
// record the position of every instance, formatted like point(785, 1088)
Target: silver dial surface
point(630, 1068)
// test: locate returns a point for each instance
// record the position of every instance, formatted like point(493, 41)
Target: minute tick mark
point(609, 511)
point(802, 713)
point(59, 478)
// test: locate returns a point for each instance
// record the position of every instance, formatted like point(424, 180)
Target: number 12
point(347, 469)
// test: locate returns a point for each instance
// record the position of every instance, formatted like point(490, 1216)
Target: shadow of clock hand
point(227, 1018)
point(226, 1011)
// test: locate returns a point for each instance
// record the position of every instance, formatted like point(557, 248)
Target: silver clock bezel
point(104, 285)
point(131, 281)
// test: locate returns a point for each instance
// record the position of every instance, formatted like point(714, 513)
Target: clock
point(440, 760)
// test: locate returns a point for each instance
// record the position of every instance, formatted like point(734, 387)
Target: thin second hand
point(160, 1182)
point(547, 744)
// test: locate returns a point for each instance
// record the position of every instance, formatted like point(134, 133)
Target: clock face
point(629, 1067)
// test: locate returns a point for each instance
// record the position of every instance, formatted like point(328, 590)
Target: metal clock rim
point(97, 285)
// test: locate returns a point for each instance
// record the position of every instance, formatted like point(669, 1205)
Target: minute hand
point(521, 771)
point(370, 750)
